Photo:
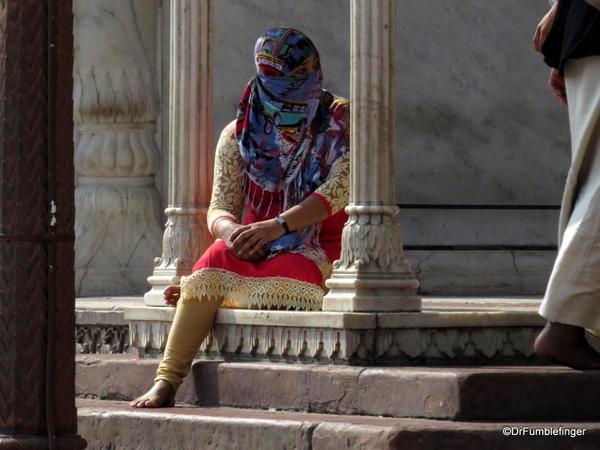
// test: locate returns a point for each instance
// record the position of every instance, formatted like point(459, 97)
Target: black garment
point(575, 33)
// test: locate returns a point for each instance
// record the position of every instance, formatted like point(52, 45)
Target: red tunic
point(288, 280)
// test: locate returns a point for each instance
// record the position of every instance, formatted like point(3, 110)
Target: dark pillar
point(37, 371)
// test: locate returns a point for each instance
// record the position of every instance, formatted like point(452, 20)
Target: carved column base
point(160, 279)
point(186, 236)
point(372, 273)
point(351, 291)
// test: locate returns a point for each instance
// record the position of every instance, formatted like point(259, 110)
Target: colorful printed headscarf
point(290, 131)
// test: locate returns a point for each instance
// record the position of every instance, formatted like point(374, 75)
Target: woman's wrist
point(308, 212)
point(283, 224)
point(223, 226)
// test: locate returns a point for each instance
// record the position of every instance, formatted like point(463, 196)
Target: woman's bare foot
point(566, 344)
point(161, 395)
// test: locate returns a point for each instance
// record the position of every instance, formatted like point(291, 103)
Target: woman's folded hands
point(247, 241)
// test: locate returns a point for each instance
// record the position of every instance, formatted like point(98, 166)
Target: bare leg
point(193, 320)
point(566, 345)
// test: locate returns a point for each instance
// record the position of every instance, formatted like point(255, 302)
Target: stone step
point(450, 393)
point(114, 425)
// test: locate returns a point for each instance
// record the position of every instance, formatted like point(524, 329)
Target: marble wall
point(475, 122)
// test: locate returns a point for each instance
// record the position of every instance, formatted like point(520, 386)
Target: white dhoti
point(573, 293)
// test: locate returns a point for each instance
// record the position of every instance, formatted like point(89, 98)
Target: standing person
point(569, 38)
point(285, 161)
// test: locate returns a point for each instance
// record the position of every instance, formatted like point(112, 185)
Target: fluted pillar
point(372, 273)
point(190, 145)
point(118, 222)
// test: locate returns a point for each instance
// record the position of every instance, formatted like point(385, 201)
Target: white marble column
point(190, 145)
point(372, 273)
point(116, 105)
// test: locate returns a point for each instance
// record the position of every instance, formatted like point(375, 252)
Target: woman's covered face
point(281, 100)
point(285, 52)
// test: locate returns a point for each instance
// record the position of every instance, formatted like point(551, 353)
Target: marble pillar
point(372, 273)
point(190, 145)
point(118, 222)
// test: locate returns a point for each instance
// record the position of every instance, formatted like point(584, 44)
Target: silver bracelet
point(281, 221)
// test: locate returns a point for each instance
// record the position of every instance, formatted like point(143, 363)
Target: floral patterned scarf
point(289, 134)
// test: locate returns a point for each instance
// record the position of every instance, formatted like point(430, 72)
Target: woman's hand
point(557, 85)
point(544, 27)
point(249, 240)
point(225, 230)
point(171, 294)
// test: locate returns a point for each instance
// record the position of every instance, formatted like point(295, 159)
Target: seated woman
point(285, 161)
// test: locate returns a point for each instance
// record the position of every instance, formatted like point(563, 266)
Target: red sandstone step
point(463, 393)
point(114, 425)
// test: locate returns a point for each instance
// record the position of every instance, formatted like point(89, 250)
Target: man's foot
point(161, 395)
point(566, 345)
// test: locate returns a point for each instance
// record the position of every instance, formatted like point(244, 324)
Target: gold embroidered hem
point(271, 292)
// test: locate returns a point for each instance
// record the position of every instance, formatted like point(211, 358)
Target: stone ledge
point(317, 319)
point(350, 321)
point(460, 319)
point(115, 425)
point(104, 310)
point(438, 311)
point(455, 393)
point(108, 303)
point(449, 330)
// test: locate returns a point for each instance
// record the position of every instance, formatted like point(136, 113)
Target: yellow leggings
point(193, 320)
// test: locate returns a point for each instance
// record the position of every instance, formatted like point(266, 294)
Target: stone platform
point(449, 330)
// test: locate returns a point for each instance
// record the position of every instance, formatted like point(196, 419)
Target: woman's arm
point(249, 240)
point(227, 204)
point(227, 198)
point(335, 192)
point(328, 199)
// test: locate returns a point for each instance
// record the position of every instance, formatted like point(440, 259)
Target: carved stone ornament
point(101, 339)
point(118, 218)
point(404, 346)
point(371, 241)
